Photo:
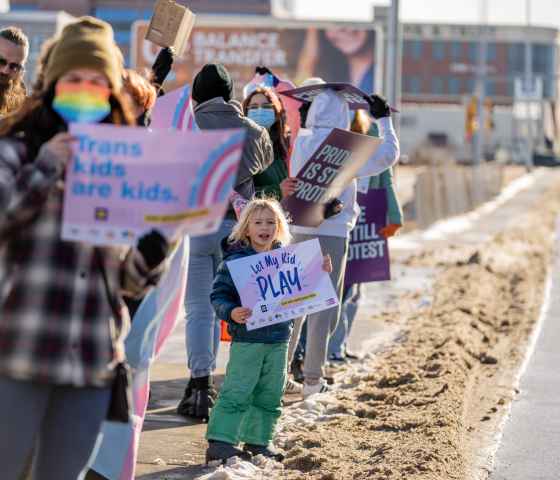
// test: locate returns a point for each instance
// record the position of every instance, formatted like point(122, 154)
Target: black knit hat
point(212, 81)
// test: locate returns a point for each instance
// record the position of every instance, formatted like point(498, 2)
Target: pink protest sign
point(174, 109)
point(327, 173)
point(355, 97)
point(368, 252)
point(125, 181)
point(283, 284)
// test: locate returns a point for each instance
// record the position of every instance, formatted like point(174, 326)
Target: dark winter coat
point(257, 153)
point(267, 183)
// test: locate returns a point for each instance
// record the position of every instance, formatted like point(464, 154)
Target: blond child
point(249, 403)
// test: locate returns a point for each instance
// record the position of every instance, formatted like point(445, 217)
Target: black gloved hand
point(303, 111)
point(261, 70)
point(334, 207)
point(162, 65)
point(378, 106)
point(154, 247)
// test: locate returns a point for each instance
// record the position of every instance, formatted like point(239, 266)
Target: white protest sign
point(283, 284)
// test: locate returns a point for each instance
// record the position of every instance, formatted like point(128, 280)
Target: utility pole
point(529, 80)
point(481, 72)
point(394, 59)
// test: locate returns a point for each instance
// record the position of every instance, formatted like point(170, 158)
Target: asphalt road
point(530, 447)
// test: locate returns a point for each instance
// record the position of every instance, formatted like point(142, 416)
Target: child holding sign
point(248, 406)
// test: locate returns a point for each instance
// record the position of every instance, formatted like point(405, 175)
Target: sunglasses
point(13, 66)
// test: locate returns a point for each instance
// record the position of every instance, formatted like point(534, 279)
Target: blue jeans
point(203, 328)
point(59, 424)
point(337, 342)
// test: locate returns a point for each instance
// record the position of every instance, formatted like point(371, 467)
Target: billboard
point(293, 50)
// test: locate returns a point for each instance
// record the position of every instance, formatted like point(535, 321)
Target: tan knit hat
point(86, 43)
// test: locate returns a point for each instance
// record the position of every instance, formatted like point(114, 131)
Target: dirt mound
point(419, 413)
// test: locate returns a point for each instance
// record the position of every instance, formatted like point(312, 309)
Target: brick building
point(439, 61)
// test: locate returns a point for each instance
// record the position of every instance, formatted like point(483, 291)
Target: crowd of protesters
point(66, 307)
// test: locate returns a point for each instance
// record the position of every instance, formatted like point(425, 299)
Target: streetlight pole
point(481, 71)
point(394, 55)
point(529, 85)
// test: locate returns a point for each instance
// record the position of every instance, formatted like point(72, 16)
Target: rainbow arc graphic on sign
point(215, 178)
point(183, 118)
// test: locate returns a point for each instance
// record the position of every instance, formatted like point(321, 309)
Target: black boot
point(222, 451)
point(266, 451)
point(297, 369)
point(198, 399)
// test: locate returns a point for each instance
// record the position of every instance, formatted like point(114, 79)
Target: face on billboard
point(336, 54)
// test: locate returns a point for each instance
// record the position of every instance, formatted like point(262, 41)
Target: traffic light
point(489, 114)
point(471, 120)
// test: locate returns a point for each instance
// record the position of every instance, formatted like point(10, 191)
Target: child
point(248, 406)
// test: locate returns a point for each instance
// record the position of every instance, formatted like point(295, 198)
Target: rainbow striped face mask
point(81, 102)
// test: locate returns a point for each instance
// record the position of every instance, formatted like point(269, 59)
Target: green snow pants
point(249, 403)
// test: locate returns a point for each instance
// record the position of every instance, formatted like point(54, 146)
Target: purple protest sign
point(368, 254)
point(125, 181)
point(327, 173)
point(355, 97)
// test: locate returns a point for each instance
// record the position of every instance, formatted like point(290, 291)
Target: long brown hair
point(361, 123)
point(280, 131)
point(35, 123)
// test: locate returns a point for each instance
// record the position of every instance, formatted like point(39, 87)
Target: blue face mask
point(265, 117)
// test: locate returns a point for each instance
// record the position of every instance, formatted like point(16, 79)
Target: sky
point(543, 12)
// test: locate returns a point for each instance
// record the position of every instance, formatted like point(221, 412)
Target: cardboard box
point(171, 25)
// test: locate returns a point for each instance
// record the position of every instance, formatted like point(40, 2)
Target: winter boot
point(198, 399)
point(266, 451)
point(297, 369)
point(222, 451)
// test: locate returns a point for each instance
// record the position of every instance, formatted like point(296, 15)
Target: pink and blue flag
point(152, 324)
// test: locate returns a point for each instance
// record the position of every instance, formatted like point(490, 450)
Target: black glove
point(378, 106)
point(261, 70)
point(303, 111)
point(334, 207)
point(162, 65)
point(154, 247)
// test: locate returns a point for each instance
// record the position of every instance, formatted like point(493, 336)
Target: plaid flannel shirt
point(56, 323)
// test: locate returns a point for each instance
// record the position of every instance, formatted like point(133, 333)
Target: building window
point(438, 85)
point(490, 88)
point(454, 85)
point(456, 51)
point(543, 58)
point(413, 49)
point(516, 57)
point(470, 85)
point(127, 15)
point(491, 52)
point(473, 52)
point(438, 50)
point(23, 7)
point(412, 84)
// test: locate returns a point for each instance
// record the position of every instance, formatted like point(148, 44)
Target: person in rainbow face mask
point(62, 314)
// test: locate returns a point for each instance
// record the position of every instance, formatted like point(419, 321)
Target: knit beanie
point(212, 81)
point(86, 43)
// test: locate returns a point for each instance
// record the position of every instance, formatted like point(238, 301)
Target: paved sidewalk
point(530, 447)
